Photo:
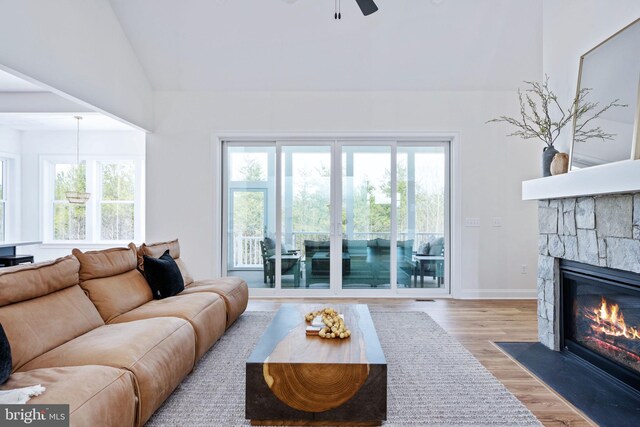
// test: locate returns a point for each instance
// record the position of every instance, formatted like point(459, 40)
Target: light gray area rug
point(432, 379)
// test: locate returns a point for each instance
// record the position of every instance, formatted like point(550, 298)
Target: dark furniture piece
point(318, 271)
point(290, 264)
point(431, 263)
point(364, 261)
point(8, 256)
point(295, 379)
point(320, 263)
point(11, 260)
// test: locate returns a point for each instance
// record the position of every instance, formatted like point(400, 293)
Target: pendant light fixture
point(77, 197)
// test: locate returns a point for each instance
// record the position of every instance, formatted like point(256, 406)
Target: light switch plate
point(472, 222)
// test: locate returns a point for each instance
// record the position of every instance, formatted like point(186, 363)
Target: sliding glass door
point(306, 215)
point(250, 207)
point(366, 213)
point(337, 217)
point(422, 216)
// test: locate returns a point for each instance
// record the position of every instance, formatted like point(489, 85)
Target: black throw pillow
point(5, 357)
point(163, 276)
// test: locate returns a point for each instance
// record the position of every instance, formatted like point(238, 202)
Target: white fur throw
point(20, 395)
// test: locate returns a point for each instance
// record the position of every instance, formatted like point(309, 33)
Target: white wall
point(79, 49)
point(10, 149)
point(181, 175)
point(570, 29)
point(9, 141)
point(34, 145)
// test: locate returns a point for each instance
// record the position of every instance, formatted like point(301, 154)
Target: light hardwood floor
point(477, 324)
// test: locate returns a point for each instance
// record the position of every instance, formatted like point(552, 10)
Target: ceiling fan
point(366, 6)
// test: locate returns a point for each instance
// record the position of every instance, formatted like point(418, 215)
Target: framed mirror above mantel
point(611, 70)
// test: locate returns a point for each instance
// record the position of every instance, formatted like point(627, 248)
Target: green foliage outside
point(116, 206)
point(69, 220)
point(311, 204)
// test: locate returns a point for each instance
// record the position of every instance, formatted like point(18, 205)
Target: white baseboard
point(496, 294)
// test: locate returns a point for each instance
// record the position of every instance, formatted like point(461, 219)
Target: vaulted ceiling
point(265, 45)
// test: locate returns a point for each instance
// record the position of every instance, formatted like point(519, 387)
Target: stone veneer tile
point(543, 248)
point(556, 246)
point(569, 223)
point(543, 203)
point(614, 216)
point(568, 205)
point(549, 292)
point(546, 267)
point(588, 247)
point(560, 220)
point(541, 287)
point(636, 216)
point(548, 220)
point(585, 213)
point(602, 248)
point(570, 247)
point(623, 254)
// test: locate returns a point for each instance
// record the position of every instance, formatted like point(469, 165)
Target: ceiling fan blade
point(367, 6)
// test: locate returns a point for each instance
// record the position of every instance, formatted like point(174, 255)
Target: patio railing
point(247, 254)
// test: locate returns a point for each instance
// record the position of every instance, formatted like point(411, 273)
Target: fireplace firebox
point(600, 318)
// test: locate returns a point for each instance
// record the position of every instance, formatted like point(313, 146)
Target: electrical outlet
point(497, 221)
point(472, 222)
point(523, 269)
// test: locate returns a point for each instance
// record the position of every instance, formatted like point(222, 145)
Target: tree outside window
point(117, 204)
point(69, 220)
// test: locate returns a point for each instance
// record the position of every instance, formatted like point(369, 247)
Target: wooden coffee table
point(294, 379)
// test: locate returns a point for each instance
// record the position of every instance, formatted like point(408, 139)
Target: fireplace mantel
point(612, 178)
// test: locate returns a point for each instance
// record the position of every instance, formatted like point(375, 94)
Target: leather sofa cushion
point(206, 313)
point(159, 352)
point(98, 396)
point(29, 281)
point(105, 263)
point(38, 325)
point(111, 280)
point(233, 290)
point(157, 249)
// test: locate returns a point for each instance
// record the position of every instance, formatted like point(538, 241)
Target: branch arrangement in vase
point(542, 117)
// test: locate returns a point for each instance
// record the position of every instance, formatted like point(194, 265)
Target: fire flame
point(610, 321)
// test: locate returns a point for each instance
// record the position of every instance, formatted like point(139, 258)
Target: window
point(337, 216)
point(117, 204)
point(69, 220)
point(113, 213)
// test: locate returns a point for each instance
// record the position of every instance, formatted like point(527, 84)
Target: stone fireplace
point(601, 231)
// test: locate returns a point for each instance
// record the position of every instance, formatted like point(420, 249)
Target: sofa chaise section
point(160, 352)
point(121, 294)
point(233, 290)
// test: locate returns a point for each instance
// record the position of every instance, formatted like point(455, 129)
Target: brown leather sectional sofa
point(87, 328)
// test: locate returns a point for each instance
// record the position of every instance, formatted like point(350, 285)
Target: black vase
point(548, 153)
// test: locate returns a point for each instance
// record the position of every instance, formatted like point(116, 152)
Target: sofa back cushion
point(42, 307)
point(112, 281)
point(156, 250)
point(30, 281)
